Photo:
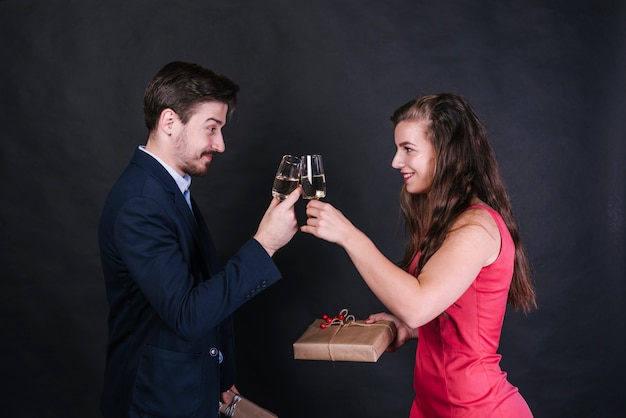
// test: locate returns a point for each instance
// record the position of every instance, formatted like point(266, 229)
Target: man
point(170, 351)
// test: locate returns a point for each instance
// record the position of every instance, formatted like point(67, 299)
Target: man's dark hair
point(182, 86)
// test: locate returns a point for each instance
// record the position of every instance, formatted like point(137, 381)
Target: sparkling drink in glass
point(287, 177)
point(312, 177)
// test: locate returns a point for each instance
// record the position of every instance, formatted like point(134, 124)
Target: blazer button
point(213, 351)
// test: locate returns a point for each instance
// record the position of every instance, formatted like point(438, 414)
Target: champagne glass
point(287, 177)
point(312, 177)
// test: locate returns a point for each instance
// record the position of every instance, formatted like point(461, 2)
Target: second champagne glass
point(312, 177)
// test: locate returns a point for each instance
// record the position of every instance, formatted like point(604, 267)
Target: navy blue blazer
point(170, 300)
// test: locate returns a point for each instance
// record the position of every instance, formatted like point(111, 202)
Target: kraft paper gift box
point(241, 407)
point(347, 341)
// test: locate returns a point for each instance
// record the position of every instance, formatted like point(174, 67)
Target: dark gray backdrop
point(316, 76)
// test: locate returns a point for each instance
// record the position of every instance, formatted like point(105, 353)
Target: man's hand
point(279, 224)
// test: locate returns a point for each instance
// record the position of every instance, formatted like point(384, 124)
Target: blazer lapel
point(212, 263)
point(185, 213)
point(154, 168)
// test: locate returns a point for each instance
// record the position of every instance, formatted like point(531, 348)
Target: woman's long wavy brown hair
point(465, 168)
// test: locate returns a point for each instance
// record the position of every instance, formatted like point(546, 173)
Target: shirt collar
point(183, 182)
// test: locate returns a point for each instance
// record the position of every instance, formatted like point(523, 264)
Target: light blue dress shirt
point(183, 182)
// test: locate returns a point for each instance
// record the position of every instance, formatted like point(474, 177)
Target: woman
point(463, 263)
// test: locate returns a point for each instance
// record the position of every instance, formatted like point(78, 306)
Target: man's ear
point(167, 120)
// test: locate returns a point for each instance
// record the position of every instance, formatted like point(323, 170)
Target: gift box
point(241, 407)
point(344, 339)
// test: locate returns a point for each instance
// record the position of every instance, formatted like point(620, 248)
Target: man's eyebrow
point(215, 120)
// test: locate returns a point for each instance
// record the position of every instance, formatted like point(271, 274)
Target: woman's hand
point(404, 333)
point(326, 222)
point(227, 397)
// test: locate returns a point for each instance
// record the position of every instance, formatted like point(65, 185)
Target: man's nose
point(218, 144)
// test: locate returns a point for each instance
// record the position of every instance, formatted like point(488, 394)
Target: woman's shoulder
point(480, 219)
point(479, 213)
point(474, 237)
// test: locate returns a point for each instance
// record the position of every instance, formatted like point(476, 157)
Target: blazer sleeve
point(158, 250)
point(228, 368)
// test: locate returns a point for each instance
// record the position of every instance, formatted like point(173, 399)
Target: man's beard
point(193, 167)
point(196, 170)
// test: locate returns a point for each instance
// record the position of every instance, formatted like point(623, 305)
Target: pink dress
point(457, 371)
